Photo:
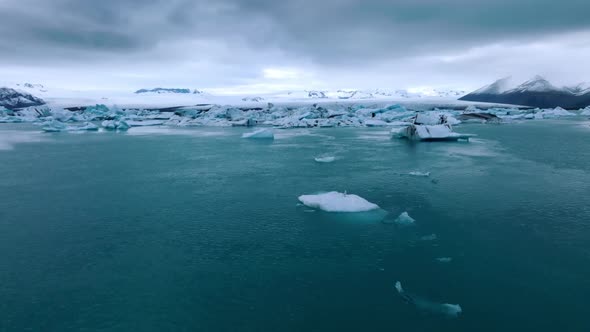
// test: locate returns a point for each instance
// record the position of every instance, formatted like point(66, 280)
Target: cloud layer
point(226, 43)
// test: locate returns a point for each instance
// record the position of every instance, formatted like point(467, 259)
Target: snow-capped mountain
point(376, 94)
point(580, 89)
point(536, 92)
point(13, 99)
point(168, 91)
point(253, 99)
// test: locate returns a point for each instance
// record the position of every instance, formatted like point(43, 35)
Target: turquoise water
point(199, 230)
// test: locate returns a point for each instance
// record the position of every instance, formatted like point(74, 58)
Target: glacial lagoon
point(198, 229)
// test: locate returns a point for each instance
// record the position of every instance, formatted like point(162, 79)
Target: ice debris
point(54, 126)
point(337, 202)
point(430, 237)
point(405, 220)
point(326, 159)
point(419, 174)
point(444, 259)
point(115, 125)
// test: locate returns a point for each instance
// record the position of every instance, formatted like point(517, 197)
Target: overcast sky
point(267, 45)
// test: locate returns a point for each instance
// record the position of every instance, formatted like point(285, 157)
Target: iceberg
point(555, 113)
point(327, 159)
point(337, 202)
point(55, 126)
point(585, 111)
point(115, 125)
point(405, 220)
point(264, 133)
point(431, 133)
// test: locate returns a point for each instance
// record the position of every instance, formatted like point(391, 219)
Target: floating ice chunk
point(337, 202)
point(585, 111)
point(420, 174)
point(431, 133)
point(451, 310)
point(553, 113)
point(430, 237)
point(145, 123)
point(264, 133)
point(327, 159)
point(444, 259)
point(54, 126)
point(405, 220)
point(398, 286)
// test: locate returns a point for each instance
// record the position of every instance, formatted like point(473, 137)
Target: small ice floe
point(444, 259)
point(419, 174)
point(450, 310)
point(405, 220)
point(337, 202)
point(264, 133)
point(325, 159)
point(431, 237)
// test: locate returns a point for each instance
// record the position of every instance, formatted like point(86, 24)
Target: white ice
point(451, 310)
point(430, 237)
point(337, 202)
point(326, 159)
point(444, 259)
point(405, 220)
point(419, 174)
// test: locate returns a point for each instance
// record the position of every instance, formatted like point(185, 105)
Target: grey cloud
point(325, 31)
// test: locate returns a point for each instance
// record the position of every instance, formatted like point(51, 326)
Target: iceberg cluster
point(420, 125)
point(337, 202)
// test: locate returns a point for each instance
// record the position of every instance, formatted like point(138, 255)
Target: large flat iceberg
point(337, 202)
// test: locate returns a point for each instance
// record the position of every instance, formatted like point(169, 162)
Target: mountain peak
point(536, 84)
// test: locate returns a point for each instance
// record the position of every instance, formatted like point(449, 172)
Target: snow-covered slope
point(168, 91)
point(12, 99)
point(536, 92)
